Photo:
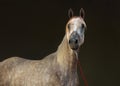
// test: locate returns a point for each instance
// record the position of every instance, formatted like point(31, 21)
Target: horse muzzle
point(74, 41)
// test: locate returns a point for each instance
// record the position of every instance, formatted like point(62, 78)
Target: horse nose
point(74, 41)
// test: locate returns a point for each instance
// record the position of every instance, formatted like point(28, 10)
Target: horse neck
point(66, 57)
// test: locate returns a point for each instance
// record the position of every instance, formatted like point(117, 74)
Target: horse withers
point(56, 69)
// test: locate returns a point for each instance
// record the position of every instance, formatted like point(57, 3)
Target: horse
point(56, 69)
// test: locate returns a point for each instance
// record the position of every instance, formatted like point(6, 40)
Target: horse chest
point(68, 79)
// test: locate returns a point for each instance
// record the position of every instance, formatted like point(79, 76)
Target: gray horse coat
point(56, 69)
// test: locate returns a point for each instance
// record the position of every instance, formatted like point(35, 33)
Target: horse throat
point(66, 57)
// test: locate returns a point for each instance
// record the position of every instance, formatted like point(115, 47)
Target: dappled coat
point(56, 69)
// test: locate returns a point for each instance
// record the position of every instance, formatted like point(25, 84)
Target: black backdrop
point(34, 28)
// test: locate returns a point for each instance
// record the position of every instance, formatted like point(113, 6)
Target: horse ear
point(82, 13)
point(70, 13)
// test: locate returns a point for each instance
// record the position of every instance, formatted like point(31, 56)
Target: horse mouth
point(74, 47)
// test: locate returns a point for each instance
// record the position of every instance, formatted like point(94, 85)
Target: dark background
point(33, 29)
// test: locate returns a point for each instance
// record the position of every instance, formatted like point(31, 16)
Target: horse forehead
point(76, 21)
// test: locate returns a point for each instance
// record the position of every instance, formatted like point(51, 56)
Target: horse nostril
point(76, 41)
point(69, 41)
point(73, 41)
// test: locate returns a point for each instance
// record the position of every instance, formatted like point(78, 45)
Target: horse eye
point(69, 26)
point(82, 28)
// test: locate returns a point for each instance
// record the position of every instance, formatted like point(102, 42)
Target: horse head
point(75, 29)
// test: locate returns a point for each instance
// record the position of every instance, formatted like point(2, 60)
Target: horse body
point(22, 72)
point(56, 69)
point(49, 71)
